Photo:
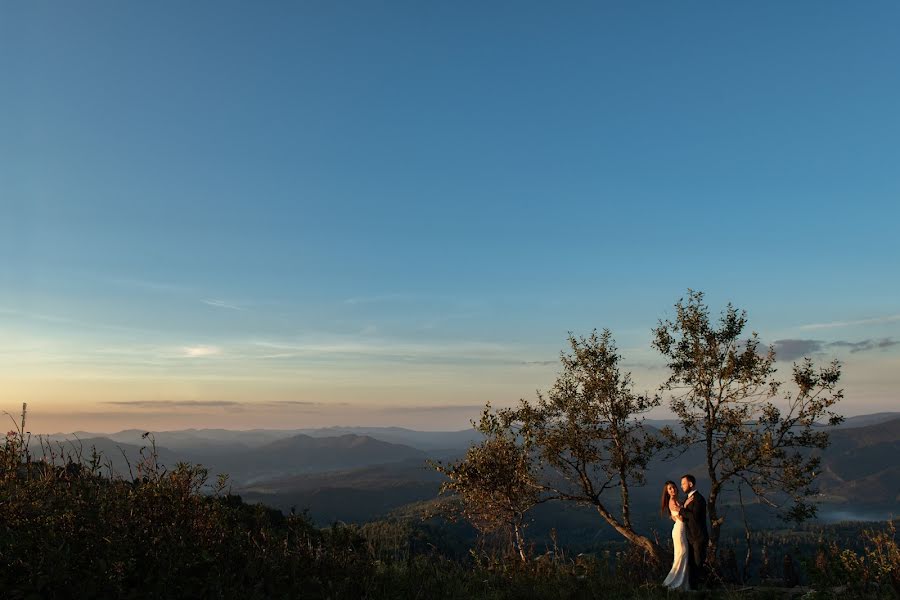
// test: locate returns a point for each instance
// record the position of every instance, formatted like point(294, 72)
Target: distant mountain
point(872, 433)
point(188, 439)
point(859, 480)
point(861, 465)
point(349, 450)
point(216, 439)
point(423, 440)
point(290, 467)
point(283, 457)
point(849, 422)
point(371, 477)
point(305, 454)
point(349, 495)
point(204, 439)
point(866, 420)
point(660, 423)
point(123, 458)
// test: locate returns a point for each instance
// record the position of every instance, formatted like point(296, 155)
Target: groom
point(694, 515)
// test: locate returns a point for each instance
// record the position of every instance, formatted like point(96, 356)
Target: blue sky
point(393, 212)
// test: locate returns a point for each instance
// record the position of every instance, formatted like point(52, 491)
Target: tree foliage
point(495, 482)
point(588, 432)
point(752, 427)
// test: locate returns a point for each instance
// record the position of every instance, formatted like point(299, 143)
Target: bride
point(677, 578)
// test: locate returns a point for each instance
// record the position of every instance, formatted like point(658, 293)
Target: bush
point(66, 530)
point(873, 572)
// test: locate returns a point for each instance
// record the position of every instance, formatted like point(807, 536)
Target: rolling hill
point(357, 474)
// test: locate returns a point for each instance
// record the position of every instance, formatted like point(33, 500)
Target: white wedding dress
point(677, 578)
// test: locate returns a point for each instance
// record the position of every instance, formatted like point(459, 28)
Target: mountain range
point(363, 473)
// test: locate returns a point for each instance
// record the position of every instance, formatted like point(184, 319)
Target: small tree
point(724, 390)
point(495, 482)
point(588, 433)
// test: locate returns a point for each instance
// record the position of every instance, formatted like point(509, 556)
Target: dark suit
point(694, 515)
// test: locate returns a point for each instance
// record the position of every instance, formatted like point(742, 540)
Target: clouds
point(366, 347)
point(788, 350)
point(792, 349)
point(221, 304)
point(835, 324)
point(865, 345)
point(174, 290)
point(473, 409)
point(228, 404)
point(296, 404)
point(172, 403)
point(200, 351)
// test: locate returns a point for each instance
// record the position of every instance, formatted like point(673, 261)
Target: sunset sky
point(297, 214)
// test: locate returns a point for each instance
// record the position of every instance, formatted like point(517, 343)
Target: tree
point(588, 434)
point(728, 402)
point(495, 482)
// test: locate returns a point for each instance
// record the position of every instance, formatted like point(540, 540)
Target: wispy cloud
point(229, 406)
point(277, 403)
point(290, 402)
point(788, 350)
point(865, 345)
point(870, 321)
point(356, 346)
point(200, 351)
point(222, 304)
point(171, 403)
point(173, 288)
point(435, 408)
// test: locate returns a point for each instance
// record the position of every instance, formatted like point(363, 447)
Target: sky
point(301, 214)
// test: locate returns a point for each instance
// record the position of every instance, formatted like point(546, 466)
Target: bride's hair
point(664, 503)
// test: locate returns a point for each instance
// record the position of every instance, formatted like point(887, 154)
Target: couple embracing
point(689, 534)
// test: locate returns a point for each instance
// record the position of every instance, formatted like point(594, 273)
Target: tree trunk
point(626, 509)
point(714, 483)
point(715, 522)
point(745, 573)
point(520, 542)
point(632, 536)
